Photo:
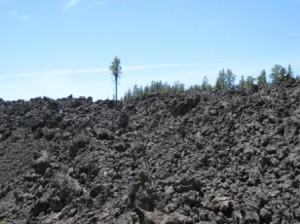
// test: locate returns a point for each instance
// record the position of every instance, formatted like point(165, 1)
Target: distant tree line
point(154, 87)
point(225, 82)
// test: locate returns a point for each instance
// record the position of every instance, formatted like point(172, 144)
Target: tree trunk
point(116, 90)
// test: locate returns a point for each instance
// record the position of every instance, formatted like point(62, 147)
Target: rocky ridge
point(193, 157)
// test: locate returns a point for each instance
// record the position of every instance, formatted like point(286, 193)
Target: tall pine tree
point(262, 79)
point(115, 69)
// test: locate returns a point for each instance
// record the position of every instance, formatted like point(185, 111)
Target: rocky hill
point(193, 157)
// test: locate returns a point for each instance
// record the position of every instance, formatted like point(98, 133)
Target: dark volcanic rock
point(191, 157)
point(42, 163)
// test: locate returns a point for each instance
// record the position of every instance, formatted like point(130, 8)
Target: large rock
point(41, 164)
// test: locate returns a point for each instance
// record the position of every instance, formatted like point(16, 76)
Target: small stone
point(121, 147)
point(297, 213)
point(41, 164)
point(223, 204)
point(274, 193)
point(102, 134)
point(265, 215)
point(96, 190)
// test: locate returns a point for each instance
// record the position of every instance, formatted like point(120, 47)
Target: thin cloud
point(71, 3)
point(57, 72)
point(60, 72)
point(152, 66)
point(13, 86)
point(18, 15)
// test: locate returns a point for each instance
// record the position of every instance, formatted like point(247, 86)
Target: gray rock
point(41, 164)
point(223, 204)
point(265, 215)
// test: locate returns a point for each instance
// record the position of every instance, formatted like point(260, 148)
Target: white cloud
point(18, 15)
point(151, 66)
point(71, 3)
point(59, 72)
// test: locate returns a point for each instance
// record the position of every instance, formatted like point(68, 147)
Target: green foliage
point(242, 84)
point(221, 80)
point(163, 88)
point(2, 222)
point(225, 80)
point(262, 79)
point(277, 73)
point(230, 79)
point(290, 72)
point(205, 84)
point(115, 69)
point(218, 84)
point(195, 87)
point(247, 84)
point(154, 87)
point(177, 87)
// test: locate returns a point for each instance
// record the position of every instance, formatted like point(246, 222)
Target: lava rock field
point(190, 157)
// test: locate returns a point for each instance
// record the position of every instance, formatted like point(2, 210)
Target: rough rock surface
point(197, 157)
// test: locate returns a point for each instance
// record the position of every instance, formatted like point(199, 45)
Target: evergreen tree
point(249, 83)
point(242, 84)
point(229, 80)
point(129, 94)
point(115, 69)
point(205, 84)
point(146, 90)
point(290, 72)
point(261, 79)
point(221, 80)
point(135, 91)
point(218, 84)
point(195, 87)
point(225, 80)
point(277, 73)
point(178, 87)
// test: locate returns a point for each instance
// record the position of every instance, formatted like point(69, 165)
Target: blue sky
point(61, 47)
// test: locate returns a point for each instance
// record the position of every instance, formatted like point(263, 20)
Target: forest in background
point(226, 80)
